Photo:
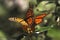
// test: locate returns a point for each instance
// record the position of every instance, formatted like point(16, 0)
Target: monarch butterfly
point(29, 20)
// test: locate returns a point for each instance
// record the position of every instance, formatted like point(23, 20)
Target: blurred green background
point(53, 33)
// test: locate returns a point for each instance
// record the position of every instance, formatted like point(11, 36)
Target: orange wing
point(19, 20)
point(22, 22)
point(39, 18)
point(29, 19)
point(29, 16)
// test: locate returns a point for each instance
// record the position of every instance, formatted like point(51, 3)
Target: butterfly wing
point(39, 18)
point(29, 16)
point(30, 20)
point(19, 20)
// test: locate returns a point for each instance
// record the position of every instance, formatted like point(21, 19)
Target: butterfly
point(30, 20)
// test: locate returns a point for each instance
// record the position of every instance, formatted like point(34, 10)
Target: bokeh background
point(8, 28)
